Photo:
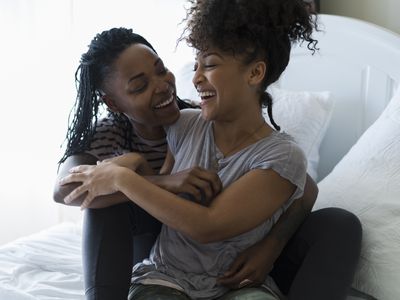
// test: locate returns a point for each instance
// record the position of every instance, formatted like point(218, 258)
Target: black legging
point(114, 239)
point(317, 263)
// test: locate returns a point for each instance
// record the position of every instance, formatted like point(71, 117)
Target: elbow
point(310, 194)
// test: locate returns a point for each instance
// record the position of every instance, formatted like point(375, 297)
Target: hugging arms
point(141, 96)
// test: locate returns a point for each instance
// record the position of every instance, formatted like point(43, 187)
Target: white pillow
point(367, 182)
point(304, 115)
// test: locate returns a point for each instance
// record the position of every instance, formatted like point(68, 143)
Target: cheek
point(170, 77)
point(137, 108)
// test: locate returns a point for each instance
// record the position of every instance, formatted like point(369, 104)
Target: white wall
point(35, 82)
point(384, 13)
point(41, 44)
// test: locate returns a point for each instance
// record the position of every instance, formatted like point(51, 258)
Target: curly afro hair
point(251, 29)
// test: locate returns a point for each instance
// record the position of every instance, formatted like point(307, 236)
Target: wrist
point(122, 178)
point(157, 180)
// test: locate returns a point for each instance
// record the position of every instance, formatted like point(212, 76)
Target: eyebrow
point(142, 74)
point(212, 53)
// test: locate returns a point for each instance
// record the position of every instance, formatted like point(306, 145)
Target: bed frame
point(359, 63)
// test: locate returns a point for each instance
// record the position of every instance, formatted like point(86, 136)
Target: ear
point(111, 104)
point(257, 72)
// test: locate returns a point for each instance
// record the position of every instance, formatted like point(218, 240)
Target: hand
point(133, 161)
point(96, 181)
point(251, 267)
point(195, 181)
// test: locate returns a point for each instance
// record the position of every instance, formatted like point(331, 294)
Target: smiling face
point(143, 89)
point(224, 85)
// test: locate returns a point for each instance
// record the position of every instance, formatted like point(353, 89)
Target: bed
point(342, 106)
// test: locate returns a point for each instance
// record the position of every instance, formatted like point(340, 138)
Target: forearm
point(165, 206)
point(158, 180)
point(219, 220)
point(291, 220)
point(60, 192)
point(284, 229)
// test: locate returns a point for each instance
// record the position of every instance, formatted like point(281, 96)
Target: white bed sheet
point(45, 266)
point(48, 266)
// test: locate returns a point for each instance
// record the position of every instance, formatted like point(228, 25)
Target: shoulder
point(189, 125)
point(188, 118)
point(109, 138)
point(282, 145)
point(281, 153)
point(190, 114)
point(109, 125)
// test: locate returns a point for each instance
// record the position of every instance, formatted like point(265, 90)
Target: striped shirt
point(109, 141)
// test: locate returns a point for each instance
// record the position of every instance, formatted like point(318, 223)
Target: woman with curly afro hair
point(242, 47)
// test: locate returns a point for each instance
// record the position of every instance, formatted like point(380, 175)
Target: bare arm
point(61, 191)
point(290, 221)
point(257, 261)
point(189, 181)
point(205, 224)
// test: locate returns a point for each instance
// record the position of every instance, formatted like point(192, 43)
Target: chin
point(206, 115)
point(172, 118)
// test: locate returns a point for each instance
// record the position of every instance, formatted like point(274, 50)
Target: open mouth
point(165, 102)
point(206, 95)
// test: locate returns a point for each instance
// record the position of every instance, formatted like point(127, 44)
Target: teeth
point(206, 94)
point(165, 103)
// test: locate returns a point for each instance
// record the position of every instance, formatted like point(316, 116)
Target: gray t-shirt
point(179, 261)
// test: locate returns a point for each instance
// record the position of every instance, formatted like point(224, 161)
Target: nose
point(197, 77)
point(162, 86)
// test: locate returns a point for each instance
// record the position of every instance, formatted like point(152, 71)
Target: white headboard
point(359, 63)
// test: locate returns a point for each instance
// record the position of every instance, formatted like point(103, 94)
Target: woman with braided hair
point(262, 170)
point(116, 232)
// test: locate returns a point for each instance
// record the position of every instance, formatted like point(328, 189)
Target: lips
point(165, 102)
point(206, 94)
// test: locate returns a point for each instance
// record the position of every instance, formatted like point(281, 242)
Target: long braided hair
point(96, 66)
point(256, 29)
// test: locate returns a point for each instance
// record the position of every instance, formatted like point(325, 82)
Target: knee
point(337, 223)
point(345, 229)
point(348, 223)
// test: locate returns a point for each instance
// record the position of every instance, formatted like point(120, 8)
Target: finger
point(75, 177)
point(245, 282)
point(85, 204)
point(212, 179)
point(235, 266)
point(80, 168)
point(194, 192)
point(237, 279)
point(204, 186)
point(75, 194)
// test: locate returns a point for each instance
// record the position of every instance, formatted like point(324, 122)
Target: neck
point(232, 136)
point(149, 132)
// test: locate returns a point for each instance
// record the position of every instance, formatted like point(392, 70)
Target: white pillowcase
point(304, 115)
point(367, 182)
